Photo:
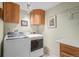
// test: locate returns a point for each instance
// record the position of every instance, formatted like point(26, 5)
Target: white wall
point(67, 25)
point(1, 30)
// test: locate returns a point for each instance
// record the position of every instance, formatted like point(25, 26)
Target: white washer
point(16, 46)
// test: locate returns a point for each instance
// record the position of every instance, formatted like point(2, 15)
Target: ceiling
point(38, 5)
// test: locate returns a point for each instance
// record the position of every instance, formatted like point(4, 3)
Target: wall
point(37, 29)
point(24, 16)
point(67, 25)
point(8, 27)
point(1, 30)
point(12, 26)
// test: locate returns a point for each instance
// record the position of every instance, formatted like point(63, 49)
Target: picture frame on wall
point(52, 22)
point(24, 23)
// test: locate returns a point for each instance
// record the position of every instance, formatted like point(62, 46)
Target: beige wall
point(12, 26)
point(8, 27)
point(24, 16)
point(1, 30)
point(67, 25)
point(37, 28)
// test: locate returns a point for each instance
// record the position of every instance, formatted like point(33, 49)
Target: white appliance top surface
point(34, 35)
point(14, 35)
point(6, 37)
point(72, 42)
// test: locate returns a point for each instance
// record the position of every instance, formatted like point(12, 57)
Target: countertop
point(71, 42)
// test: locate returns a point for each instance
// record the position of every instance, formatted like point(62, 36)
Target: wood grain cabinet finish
point(37, 17)
point(68, 51)
point(1, 13)
point(11, 12)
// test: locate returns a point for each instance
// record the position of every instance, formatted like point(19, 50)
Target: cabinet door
point(7, 10)
point(67, 50)
point(43, 19)
point(11, 12)
point(32, 19)
point(16, 13)
point(37, 17)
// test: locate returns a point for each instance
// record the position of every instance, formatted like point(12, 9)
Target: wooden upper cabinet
point(11, 12)
point(37, 17)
